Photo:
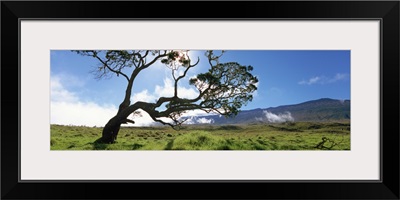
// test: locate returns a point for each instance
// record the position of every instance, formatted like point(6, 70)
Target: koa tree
point(223, 89)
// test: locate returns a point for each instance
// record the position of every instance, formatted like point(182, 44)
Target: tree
point(223, 89)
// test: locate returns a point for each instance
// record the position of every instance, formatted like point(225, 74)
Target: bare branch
point(109, 68)
point(164, 123)
point(144, 66)
point(182, 76)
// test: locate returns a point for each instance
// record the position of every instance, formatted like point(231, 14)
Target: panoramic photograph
point(200, 100)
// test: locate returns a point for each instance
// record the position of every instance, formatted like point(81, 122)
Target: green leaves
point(226, 87)
point(192, 81)
point(174, 58)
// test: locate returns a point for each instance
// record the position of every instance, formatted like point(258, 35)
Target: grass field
point(284, 136)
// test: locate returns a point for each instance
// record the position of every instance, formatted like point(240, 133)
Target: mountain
point(317, 110)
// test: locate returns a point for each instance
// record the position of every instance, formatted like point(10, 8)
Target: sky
point(285, 77)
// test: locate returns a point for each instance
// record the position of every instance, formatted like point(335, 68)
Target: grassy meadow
point(283, 136)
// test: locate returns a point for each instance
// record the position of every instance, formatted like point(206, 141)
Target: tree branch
point(153, 61)
point(183, 75)
point(223, 89)
point(109, 68)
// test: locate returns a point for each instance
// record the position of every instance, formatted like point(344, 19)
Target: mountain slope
point(317, 110)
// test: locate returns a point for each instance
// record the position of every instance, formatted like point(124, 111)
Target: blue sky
point(285, 77)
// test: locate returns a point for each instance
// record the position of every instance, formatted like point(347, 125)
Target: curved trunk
point(110, 130)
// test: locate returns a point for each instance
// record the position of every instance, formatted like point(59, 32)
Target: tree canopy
point(223, 89)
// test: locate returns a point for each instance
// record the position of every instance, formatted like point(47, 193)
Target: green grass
point(284, 136)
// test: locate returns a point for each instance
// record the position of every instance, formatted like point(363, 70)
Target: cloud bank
point(198, 120)
point(67, 108)
point(271, 117)
point(276, 118)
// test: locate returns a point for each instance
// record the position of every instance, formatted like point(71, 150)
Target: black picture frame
point(386, 11)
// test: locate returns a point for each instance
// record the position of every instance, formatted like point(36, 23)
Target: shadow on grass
point(284, 129)
point(99, 145)
point(229, 127)
point(137, 146)
point(169, 145)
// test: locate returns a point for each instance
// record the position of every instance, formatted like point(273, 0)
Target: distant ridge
point(324, 109)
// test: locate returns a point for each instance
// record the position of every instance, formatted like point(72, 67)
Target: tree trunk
point(110, 130)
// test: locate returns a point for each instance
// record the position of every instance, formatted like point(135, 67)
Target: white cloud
point(143, 120)
point(58, 93)
point(68, 109)
point(196, 113)
point(324, 80)
point(144, 96)
point(311, 81)
point(72, 81)
point(271, 117)
point(205, 121)
point(198, 120)
point(314, 80)
point(81, 113)
point(339, 77)
point(168, 90)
